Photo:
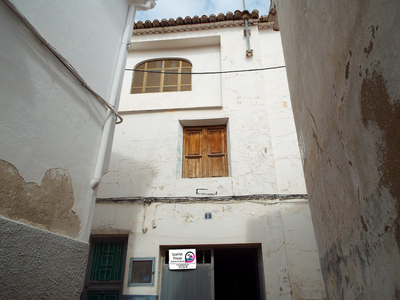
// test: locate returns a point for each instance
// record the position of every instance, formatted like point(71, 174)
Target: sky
point(181, 8)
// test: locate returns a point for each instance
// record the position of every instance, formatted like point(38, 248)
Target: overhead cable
point(62, 59)
point(207, 73)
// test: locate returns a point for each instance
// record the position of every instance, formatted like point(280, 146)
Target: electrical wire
point(208, 73)
point(61, 58)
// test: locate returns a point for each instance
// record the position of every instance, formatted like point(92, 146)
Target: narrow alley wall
point(342, 65)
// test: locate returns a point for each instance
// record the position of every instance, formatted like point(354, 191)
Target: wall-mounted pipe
point(249, 51)
point(114, 97)
point(106, 138)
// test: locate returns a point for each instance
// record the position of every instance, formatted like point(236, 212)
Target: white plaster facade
point(146, 159)
point(263, 159)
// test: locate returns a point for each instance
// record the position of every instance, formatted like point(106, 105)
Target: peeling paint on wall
point(352, 184)
point(379, 109)
point(48, 206)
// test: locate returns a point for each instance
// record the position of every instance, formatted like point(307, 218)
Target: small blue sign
point(208, 216)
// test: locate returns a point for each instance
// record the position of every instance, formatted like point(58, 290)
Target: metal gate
point(223, 272)
point(189, 284)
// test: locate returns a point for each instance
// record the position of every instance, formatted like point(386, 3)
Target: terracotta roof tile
point(237, 15)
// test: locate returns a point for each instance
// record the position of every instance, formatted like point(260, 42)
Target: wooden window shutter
point(204, 152)
point(216, 152)
point(193, 153)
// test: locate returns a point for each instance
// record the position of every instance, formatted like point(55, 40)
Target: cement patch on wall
point(48, 206)
point(37, 264)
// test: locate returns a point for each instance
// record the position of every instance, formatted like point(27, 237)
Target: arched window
point(148, 82)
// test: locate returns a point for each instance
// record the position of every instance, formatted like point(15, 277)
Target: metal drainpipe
point(115, 89)
point(249, 51)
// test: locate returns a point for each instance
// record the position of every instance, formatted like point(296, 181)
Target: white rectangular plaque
point(183, 259)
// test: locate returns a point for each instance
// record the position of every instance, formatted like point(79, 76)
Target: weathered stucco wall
point(50, 129)
point(342, 60)
point(48, 206)
point(290, 259)
point(38, 264)
point(48, 120)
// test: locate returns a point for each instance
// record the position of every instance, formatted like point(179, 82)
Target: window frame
point(153, 262)
point(206, 155)
point(162, 86)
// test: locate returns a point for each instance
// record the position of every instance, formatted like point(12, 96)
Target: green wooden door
point(105, 269)
point(107, 261)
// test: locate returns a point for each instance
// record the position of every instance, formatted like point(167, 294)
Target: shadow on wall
point(121, 218)
point(273, 251)
point(289, 252)
point(128, 176)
